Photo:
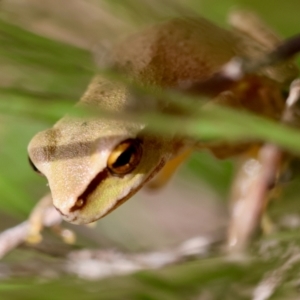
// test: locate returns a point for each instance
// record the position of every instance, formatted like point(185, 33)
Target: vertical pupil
point(124, 157)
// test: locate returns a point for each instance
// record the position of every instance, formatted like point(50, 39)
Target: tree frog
point(93, 165)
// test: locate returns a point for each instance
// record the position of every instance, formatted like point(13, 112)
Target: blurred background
point(48, 53)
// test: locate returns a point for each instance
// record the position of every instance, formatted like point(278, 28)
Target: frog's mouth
point(73, 216)
point(134, 190)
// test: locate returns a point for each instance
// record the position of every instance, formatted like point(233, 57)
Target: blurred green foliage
point(40, 81)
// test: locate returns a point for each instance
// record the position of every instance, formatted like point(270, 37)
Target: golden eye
point(125, 157)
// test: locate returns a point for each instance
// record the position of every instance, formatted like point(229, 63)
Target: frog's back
point(180, 50)
point(175, 51)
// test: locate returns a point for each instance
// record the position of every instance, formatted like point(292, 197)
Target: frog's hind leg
point(253, 26)
point(248, 24)
point(251, 192)
point(259, 173)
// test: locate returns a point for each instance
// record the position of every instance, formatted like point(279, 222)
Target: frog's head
point(93, 166)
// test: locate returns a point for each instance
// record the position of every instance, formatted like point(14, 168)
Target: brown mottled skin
point(169, 54)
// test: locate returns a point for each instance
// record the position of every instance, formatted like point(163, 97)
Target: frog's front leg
point(169, 169)
point(38, 219)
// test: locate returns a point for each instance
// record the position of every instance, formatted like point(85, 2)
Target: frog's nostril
point(78, 205)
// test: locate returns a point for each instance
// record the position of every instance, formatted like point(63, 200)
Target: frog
point(94, 164)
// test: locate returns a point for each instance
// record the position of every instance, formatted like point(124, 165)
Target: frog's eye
point(125, 157)
point(35, 169)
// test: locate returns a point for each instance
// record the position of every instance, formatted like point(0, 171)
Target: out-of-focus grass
point(47, 75)
point(42, 78)
point(214, 278)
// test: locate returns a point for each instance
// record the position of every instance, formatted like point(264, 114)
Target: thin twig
point(272, 280)
point(15, 236)
point(98, 264)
